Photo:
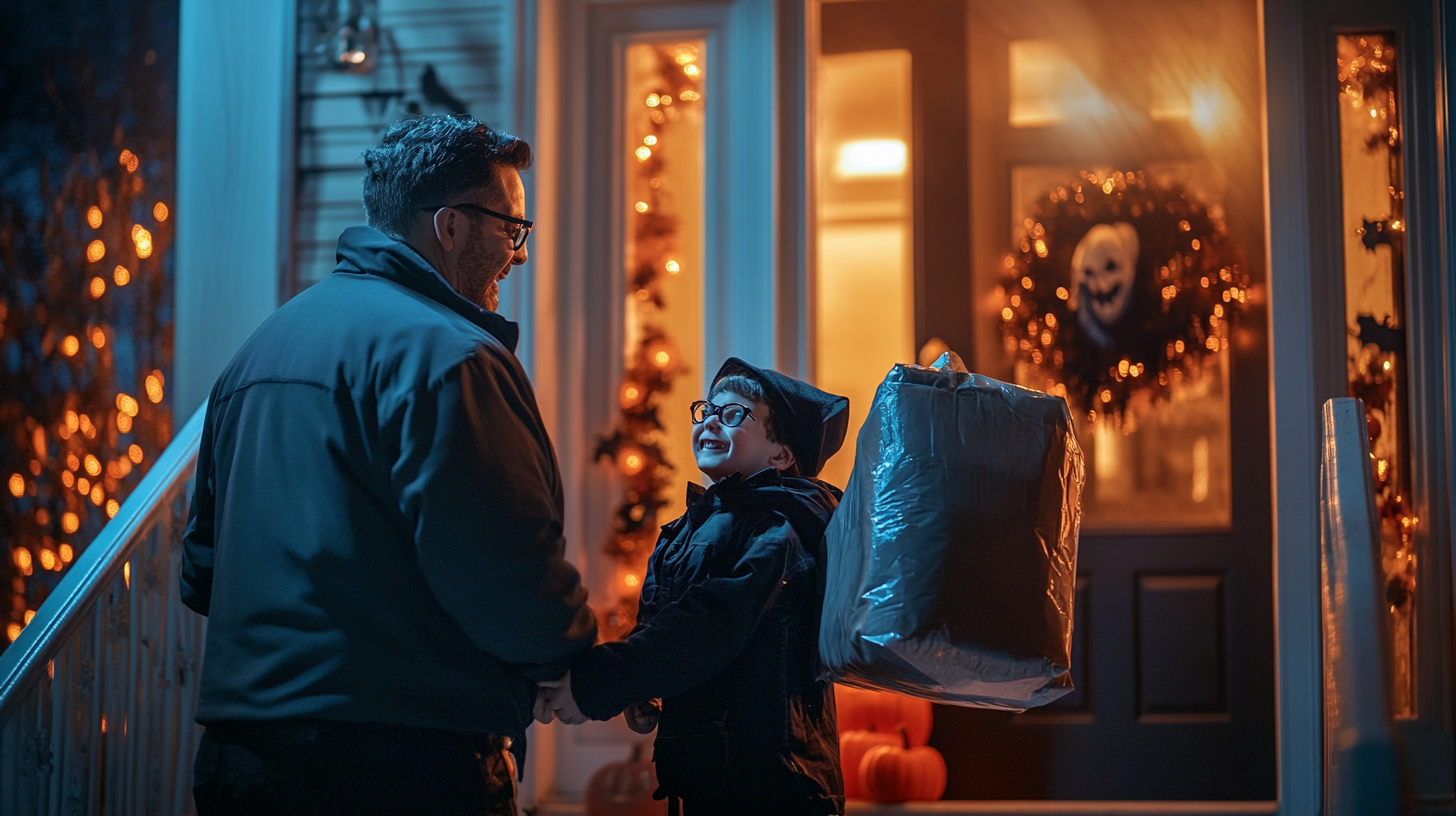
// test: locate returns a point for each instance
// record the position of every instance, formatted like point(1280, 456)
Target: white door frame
point(578, 268)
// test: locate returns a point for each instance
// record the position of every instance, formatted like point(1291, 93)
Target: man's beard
point(479, 284)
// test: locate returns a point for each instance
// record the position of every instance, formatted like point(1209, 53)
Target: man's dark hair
point(426, 161)
point(745, 386)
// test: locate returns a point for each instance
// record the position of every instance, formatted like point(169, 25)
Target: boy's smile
point(722, 451)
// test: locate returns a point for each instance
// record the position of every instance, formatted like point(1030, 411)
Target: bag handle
point(950, 360)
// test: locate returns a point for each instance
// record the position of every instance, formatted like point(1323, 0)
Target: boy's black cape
point(726, 635)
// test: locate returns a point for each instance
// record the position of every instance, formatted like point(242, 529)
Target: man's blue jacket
point(376, 531)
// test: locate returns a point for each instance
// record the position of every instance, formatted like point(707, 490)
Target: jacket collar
point(365, 250)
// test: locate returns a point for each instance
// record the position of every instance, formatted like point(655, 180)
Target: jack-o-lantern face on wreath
point(1104, 269)
point(1121, 288)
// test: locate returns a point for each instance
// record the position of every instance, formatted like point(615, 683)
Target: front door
point(1098, 162)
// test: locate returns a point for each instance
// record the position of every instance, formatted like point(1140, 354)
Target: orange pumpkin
point(883, 711)
point(890, 773)
point(852, 748)
point(623, 788)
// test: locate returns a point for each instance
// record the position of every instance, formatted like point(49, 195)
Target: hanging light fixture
point(351, 34)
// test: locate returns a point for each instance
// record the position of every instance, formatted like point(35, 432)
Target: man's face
point(487, 255)
point(722, 451)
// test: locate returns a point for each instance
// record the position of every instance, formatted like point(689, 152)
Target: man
point(376, 529)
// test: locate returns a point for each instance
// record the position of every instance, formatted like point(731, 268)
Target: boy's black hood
point(812, 422)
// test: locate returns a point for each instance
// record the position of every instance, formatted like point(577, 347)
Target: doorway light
point(871, 157)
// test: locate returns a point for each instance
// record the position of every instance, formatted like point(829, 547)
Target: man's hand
point(553, 698)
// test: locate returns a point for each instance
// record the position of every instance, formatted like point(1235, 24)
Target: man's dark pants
point(318, 767)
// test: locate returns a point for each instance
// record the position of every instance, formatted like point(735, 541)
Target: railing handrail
point(22, 664)
point(1360, 762)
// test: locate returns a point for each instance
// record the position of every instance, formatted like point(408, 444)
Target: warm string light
point(66, 466)
point(653, 365)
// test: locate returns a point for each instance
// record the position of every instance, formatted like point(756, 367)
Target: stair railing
point(97, 695)
point(1360, 758)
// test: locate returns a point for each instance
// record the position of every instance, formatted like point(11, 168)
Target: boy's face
point(722, 451)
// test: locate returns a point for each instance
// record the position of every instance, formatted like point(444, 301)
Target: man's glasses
point(730, 414)
point(522, 227)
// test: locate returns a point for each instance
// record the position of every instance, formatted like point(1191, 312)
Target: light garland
point(634, 444)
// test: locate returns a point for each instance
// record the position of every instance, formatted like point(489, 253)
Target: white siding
point(470, 43)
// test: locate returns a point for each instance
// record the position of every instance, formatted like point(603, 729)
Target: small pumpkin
point(624, 788)
point(892, 773)
point(852, 747)
point(883, 711)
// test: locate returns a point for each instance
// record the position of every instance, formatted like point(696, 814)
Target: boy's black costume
point(727, 630)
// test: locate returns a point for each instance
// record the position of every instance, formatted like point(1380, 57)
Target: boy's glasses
point(730, 414)
point(518, 230)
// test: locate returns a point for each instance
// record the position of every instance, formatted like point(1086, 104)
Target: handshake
point(554, 701)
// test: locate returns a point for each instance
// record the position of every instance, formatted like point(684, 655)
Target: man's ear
point(783, 458)
point(448, 225)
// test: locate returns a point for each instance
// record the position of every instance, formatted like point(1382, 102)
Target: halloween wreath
point(1120, 288)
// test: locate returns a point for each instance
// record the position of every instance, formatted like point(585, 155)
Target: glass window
point(864, 293)
point(661, 177)
point(1373, 187)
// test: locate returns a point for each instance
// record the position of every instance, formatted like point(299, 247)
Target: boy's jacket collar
point(768, 488)
point(365, 250)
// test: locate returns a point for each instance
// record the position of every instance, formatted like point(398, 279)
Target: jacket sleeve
point(476, 477)
point(197, 539)
point(696, 636)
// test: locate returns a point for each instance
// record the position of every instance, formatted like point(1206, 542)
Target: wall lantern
point(351, 34)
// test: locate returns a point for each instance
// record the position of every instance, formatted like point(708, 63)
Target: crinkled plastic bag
point(953, 555)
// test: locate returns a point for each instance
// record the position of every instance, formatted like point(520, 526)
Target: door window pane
point(865, 289)
point(661, 177)
point(1373, 185)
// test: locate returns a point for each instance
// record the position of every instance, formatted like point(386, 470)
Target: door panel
point(1173, 638)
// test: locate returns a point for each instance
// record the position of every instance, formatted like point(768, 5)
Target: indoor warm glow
point(865, 273)
point(871, 157)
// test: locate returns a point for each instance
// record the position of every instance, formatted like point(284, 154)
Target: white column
point(234, 171)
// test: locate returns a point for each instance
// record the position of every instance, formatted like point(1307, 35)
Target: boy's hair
point(753, 389)
point(428, 161)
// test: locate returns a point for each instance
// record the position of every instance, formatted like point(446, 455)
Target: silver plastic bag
point(952, 559)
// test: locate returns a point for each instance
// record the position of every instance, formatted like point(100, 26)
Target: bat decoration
point(1374, 233)
point(1382, 334)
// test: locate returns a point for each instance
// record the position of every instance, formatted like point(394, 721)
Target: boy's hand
point(642, 717)
point(553, 698)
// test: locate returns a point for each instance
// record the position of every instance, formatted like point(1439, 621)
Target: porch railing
point(1360, 761)
point(97, 694)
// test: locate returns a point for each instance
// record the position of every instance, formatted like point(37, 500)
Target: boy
point(728, 623)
